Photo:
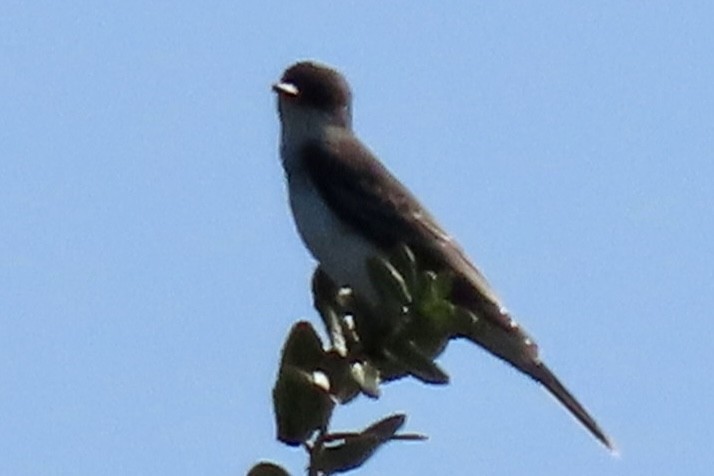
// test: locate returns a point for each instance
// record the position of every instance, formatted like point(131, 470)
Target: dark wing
point(361, 191)
point(364, 193)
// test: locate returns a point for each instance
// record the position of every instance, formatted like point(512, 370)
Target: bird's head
point(308, 88)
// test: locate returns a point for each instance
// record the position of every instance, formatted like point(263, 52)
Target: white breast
point(341, 252)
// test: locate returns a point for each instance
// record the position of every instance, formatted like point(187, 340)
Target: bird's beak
point(286, 89)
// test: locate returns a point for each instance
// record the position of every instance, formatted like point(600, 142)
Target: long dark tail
point(509, 342)
point(542, 374)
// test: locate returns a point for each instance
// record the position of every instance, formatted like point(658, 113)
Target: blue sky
point(149, 268)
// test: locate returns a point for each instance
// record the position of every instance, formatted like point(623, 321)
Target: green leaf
point(303, 348)
point(443, 283)
point(366, 376)
point(350, 454)
point(343, 385)
point(335, 329)
point(412, 359)
point(265, 468)
point(404, 260)
point(324, 290)
point(389, 283)
point(466, 323)
point(432, 323)
point(353, 449)
point(301, 405)
point(385, 428)
point(427, 290)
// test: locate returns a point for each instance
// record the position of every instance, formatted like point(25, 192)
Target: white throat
point(300, 125)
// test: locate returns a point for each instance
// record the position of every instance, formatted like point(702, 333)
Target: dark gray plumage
point(348, 207)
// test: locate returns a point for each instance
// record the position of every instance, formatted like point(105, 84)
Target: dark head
point(310, 85)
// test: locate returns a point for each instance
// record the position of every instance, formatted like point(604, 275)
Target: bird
point(348, 208)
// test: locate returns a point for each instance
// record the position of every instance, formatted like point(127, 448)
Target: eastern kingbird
point(349, 208)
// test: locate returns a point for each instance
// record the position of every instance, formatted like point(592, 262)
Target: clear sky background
point(150, 270)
